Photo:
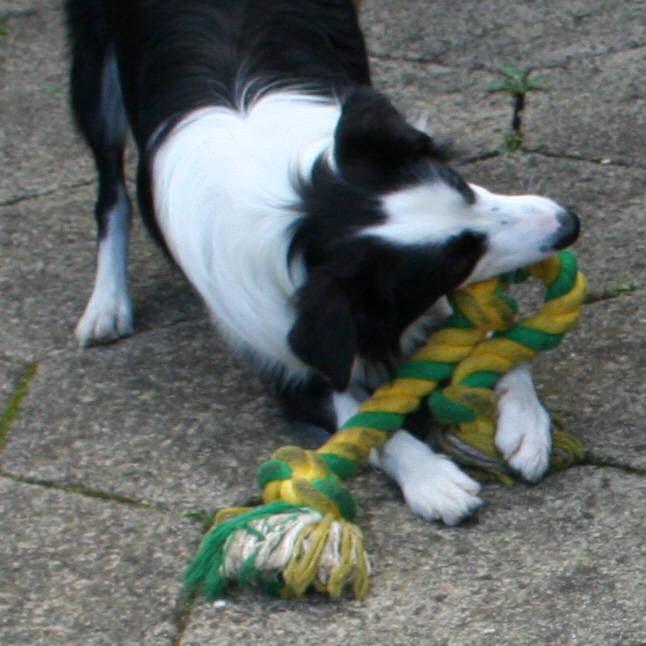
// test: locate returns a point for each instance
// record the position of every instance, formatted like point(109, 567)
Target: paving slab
point(565, 119)
point(78, 571)
point(490, 33)
point(38, 142)
point(561, 564)
point(168, 417)
point(596, 380)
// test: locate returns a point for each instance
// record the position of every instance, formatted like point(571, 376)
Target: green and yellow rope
point(468, 405)
point(303, 536)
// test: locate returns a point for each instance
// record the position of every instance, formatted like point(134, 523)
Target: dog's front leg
point(523, 427)
point(433, 486)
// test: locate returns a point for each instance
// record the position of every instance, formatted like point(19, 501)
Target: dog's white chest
point(223, 184)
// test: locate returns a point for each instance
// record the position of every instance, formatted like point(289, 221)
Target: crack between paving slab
point(196, 515)
point(188, 600)
point(180, 322)
point(620, 290)
point(422, 60)
point(18, 13)
point(50, 191)
point(591, 460)
point(478, 157)
point(83, 491)
point(183, 610)
point(604, 161)
point(15, 401)
point(607, 52)
point(140, 333)
point(553, 64)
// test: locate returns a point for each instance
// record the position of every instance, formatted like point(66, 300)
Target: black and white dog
point(320, 228)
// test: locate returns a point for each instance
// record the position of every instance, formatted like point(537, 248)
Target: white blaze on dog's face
point(521, 230)
point(518, 230)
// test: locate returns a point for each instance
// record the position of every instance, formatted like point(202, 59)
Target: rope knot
point(484, 305)
point(303, 478)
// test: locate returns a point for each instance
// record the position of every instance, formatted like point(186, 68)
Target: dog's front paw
point(523, 428)
point(106, 319)
point(438, 490)
point(433, 486)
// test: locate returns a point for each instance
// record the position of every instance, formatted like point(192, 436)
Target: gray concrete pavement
point(110, 462)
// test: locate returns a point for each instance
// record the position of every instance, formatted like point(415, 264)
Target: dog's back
point(178, 56)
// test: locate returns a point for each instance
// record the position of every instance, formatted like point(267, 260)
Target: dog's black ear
point(324, 334)
point(373, 141)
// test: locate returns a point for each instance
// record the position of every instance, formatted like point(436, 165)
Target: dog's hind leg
point(100, 114)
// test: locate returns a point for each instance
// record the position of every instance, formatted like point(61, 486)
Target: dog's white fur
point(516, 225)
point(223, 184)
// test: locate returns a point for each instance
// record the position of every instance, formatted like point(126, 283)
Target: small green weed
point(517, 83)
point(10, 413)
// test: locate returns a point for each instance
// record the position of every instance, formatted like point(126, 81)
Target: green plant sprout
point(518, 84)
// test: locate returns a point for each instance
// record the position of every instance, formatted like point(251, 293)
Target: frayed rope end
point(284, 549)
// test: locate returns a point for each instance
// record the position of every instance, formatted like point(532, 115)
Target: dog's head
point(389, 227)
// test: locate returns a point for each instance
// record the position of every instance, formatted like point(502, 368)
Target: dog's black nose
point(568, 231)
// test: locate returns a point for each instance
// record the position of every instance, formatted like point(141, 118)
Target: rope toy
point(303, 536)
